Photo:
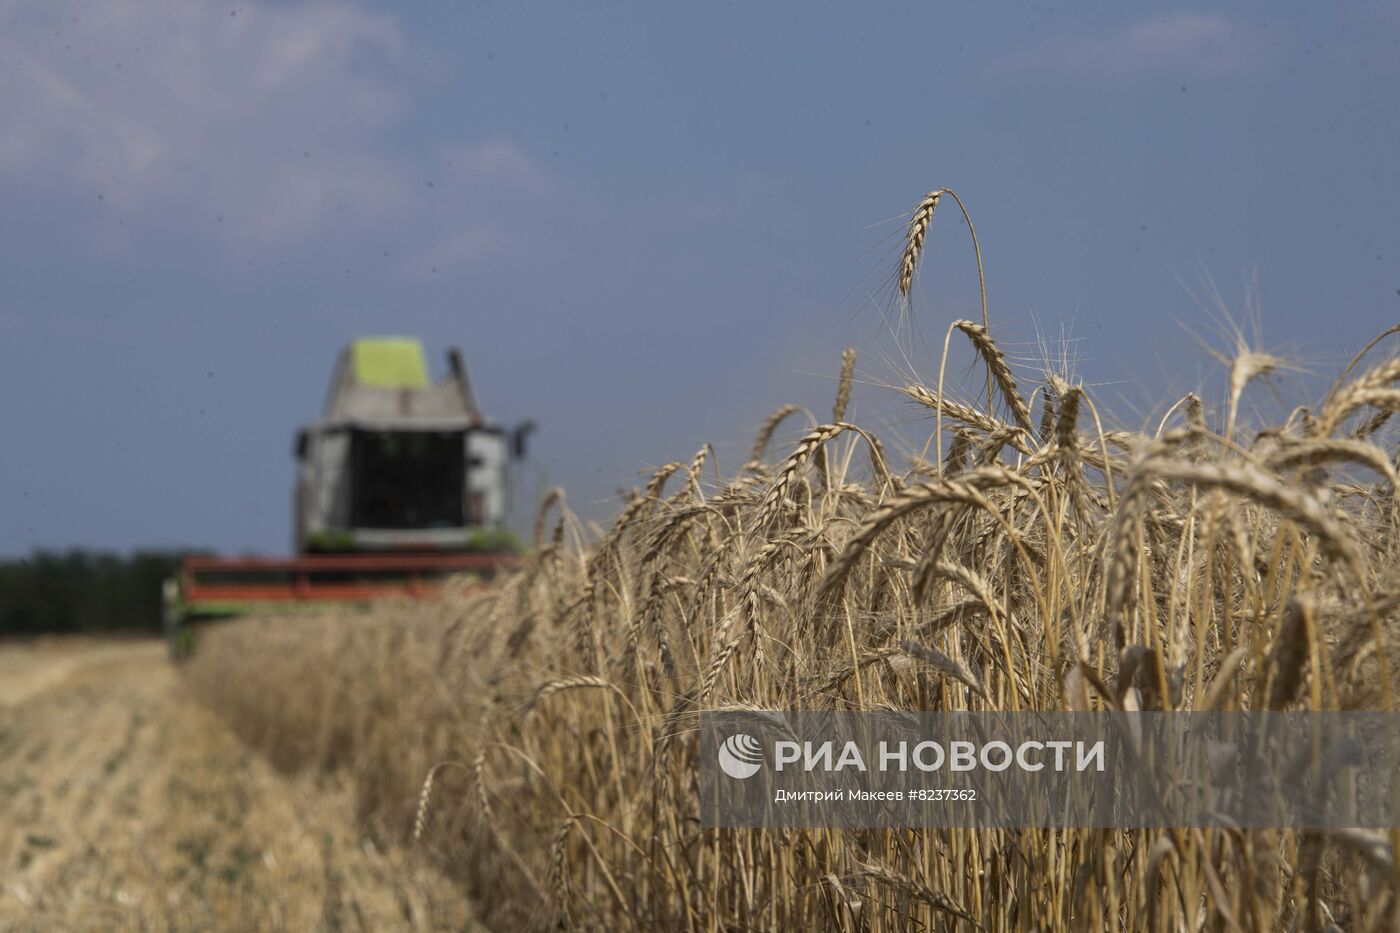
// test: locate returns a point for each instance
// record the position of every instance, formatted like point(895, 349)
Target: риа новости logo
point(740, 756)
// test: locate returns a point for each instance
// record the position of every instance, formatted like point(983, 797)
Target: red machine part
point(220, 581)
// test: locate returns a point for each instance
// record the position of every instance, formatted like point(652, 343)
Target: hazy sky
point(647, 225)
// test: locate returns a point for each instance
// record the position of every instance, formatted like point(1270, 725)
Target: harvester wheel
point(177, 633)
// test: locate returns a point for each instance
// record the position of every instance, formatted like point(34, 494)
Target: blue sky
point(646, 224)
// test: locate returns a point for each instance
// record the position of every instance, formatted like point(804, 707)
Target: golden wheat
point(1064, 568)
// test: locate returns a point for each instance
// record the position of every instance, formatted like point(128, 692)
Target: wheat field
point(129, 806)
point(537, 741)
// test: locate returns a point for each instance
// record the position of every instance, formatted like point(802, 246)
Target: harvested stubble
point(1064, 569)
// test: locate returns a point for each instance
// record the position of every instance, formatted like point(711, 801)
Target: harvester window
point(407, 479)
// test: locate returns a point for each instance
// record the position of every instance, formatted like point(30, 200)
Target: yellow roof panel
point(389, 363)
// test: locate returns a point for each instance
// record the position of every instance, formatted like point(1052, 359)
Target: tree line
point(83, 591)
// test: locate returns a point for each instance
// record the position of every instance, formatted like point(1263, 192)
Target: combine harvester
point(400, 485)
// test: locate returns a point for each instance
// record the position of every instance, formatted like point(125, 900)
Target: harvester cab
point(399, 484)
point(399, 462)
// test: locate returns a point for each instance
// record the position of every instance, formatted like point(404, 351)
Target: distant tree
point(83, 591)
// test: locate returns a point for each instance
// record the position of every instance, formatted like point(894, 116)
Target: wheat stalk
point(843, 388)
point(420, 817)
point(914, 239)
point(765, 433)
point(1000, 370)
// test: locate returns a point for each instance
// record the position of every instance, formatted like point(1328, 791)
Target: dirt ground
point(124, 805)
